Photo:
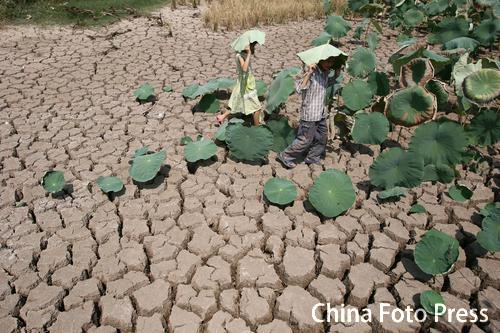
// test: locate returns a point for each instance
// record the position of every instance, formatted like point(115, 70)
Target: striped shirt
point(313, 96)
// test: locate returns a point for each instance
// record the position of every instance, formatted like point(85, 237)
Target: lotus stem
point(399, 133)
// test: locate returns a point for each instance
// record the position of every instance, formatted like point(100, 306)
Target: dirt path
point(192, 252)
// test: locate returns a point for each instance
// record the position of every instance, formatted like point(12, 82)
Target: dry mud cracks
point(194, 252)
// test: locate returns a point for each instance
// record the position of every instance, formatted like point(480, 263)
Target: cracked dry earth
point(196, 252)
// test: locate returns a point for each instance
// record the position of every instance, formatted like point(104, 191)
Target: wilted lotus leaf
point(489, 237)
point(109, 184)
point(357, 95)
point(249, 143)
point(281, 88)
point(337, 27)
point(429, 299)
point(144, 92)
point(396, 167)
point(436, 87)
point(485, 127)
point(439, 142)
point(362, 62)
point(370, 128)
point(436, 252)
point(145, 167)
point(411, 106)
point(53, 181)
point(482, 86)
point(487, 31)
point(461, 70)
point(199, 150)
point(332, 193)
point(280, 191)
point(417, 72)
point(282, 132)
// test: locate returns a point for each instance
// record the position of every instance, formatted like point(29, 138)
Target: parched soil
point(198, 252)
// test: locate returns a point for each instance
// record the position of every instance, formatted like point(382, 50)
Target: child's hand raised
point(311, 68)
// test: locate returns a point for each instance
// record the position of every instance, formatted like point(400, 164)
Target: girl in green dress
point(244, 98)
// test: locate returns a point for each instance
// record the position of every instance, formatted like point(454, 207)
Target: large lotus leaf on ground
point(200, 150)
point(482, 86)
point(439, 142)
point(487, 31)
point(222, 131)
point(413, 18)
point(337, 27)
point(489, 237)
point(411, 106)
point(449, 28)
point(282, 132)
point(485, 127)
point(436, 252)
point(281, 88)
point(249, 143)
point(280, 191)
point(370, 128)
point(109, 184)
point(396, 167)
point(209, 104)
point(379, 83)
point(53, 181)
point(419, 71)
point(332, 193)
point(362, 62)
point(145, 167)
point(195, 90)
point(461, 69)
point(357, 95)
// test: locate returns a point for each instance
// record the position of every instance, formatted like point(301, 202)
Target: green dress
point(244, 98)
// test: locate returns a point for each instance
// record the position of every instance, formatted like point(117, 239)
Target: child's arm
point(245, 62)
point(304, 83)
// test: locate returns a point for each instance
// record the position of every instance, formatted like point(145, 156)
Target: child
point(312, 134)
point(244, 98)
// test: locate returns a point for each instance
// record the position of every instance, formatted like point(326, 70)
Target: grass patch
point(79, 12)
point(234, 14)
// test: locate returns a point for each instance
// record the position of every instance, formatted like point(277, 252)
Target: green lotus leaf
point(459, 193)
point(144, 92)
point(372, 39)
point(485, 127)
point(411, 106)
point(332, 193)
point(141, 151)
point(418, 71)
point(168, 89)
point(436, 7)
point(449, 28)
point(185, 140)
point(465, 43)
point(362, 63)
point(487, 31)
point(437, 89)
point(209, 104)
point(249, 143)
point(461, 70)
point(379, 83)
point(224, 83)
point(327, 6)
point(370, 128)
point(489, 237)
point(282, 132)
point(429, 299)
point(337, 27)
point(356, 5)
point(489, 208)
point(145, 167)
point(261, 87)
point(316, 54)
point(191, 91)
point(392, 193)
point(280, 191)
point(109, 184)
point(436, 252)
point(222, 131)
point(441, 173)
point(358, 32)
point(482, 86)
point(200, 150)
point(417, 208)
point(357, 95)
point(323, 38)
point(396, 167)
point(53, 181)
point(248, 37)
point(439, 142)
point(281, 88)
point(413, 17)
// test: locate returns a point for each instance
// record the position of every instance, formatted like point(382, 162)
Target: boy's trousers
point(311, 140)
